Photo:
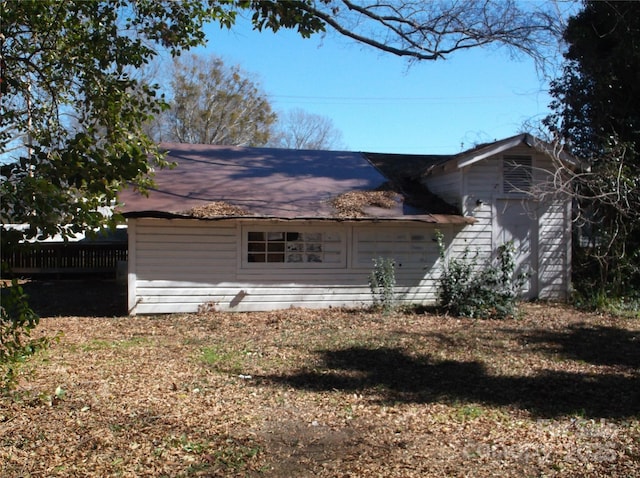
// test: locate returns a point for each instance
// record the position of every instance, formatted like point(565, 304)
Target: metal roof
point(275, 183)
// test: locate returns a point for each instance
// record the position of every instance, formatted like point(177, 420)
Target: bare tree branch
point(299, 129)
point(433, 30)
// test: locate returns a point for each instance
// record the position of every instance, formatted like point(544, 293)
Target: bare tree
point(432, 30)
point(216, 104)
point(299, 129)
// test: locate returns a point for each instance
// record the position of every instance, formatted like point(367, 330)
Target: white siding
point(480, 194)
point(181, 265)
point(479, 184)
point(554, 252)
point(475, 193)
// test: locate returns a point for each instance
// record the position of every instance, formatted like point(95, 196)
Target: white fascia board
point(491, 151)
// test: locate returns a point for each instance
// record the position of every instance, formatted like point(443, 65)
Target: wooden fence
point(60, 258)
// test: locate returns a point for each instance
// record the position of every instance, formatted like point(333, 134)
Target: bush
point(469, 290)
point(382, 283)
point(17, 320)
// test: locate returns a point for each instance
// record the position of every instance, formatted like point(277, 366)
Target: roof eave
point(491, 150)
point(425, 218)
point(473, 156)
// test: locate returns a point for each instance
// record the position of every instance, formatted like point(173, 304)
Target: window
point(516, 174)
point(292, 247)
point(410, 248)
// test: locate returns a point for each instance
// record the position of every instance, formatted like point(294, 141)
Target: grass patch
point(226, 361)
point(627, 307)
point(469, 412)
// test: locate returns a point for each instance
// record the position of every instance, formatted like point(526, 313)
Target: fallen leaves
point(329, 393)
point(353, 203)
point(216, 209)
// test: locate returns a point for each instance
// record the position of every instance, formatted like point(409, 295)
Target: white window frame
point(340, 244)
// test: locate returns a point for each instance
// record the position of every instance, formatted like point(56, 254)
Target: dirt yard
point(333, 393)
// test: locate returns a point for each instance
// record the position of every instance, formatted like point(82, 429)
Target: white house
point(245, 229)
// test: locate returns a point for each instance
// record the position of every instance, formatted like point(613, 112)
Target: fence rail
point(69, 258)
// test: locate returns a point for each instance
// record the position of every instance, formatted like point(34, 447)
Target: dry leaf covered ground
point(332, 393)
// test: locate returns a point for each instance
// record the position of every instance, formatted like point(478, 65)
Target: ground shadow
point(396, 377)
point(88, 297)
point(598, 345)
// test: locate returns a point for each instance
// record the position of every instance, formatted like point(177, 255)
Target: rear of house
point(246, 229)
point(178, 265)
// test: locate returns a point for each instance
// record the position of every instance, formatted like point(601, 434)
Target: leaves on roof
point(215, 209)
point(353, 203)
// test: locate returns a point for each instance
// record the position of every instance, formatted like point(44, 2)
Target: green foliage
point(621, 306)
point(74, 108)
point(596, 112)
point(382, 282)
point(17, 321)
point(469, 290)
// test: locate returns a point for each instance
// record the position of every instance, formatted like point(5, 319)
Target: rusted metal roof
point(273, 183)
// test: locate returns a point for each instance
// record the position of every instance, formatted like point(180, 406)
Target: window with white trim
point(293, 247)
point(517, 174)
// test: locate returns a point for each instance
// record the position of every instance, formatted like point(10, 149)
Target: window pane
point(333, 258)
point(314, 247)
point(294, 247)
point(275, 247)
point(256, 257)
point(314, 258)
point(256, 246)
point(294, 257)
point(256, 236)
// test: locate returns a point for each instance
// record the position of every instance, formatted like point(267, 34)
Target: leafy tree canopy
point(71, 126)
point(597, 112)
point(598, 94)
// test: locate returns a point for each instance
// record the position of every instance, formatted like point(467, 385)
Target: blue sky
point(378, 101)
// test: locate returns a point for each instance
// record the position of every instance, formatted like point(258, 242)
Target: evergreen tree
point(597, 113)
